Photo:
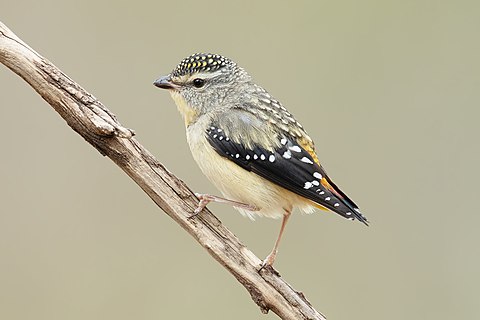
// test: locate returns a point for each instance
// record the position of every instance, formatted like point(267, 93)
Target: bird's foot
point(267, 263)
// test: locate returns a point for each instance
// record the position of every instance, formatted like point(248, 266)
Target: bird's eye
point(198, 83)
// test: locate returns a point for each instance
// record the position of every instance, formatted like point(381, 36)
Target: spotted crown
point(201, 62)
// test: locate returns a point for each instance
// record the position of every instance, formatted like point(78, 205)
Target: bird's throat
point(188, 113)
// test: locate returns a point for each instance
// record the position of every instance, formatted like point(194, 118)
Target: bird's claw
point(268, 266)
point(267, 263)
point(204, 199)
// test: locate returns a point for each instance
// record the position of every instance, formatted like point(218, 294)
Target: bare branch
point(98, 126)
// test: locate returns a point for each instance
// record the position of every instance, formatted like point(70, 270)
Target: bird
point(249, 145)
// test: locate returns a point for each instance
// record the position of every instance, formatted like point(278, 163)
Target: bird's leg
point(270, 259)
point(206, 199)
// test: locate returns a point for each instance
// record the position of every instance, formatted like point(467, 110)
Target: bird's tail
point(346, 207)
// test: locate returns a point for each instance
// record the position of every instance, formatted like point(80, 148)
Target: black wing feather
point(289, 166)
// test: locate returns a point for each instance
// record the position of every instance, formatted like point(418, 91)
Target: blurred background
point(389, 90)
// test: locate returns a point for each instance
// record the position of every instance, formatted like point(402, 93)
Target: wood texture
point(99, 127)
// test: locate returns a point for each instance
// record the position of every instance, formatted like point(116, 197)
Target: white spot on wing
point(262, 157)
point(317, 175)
point(283, 141)
point(327, 198)
point(306, 160)
point(315, 183)
point(247, 157)
point(295, 148)
point(308, 185)
point(271, 158)
point(287, 154)
point(336, 204)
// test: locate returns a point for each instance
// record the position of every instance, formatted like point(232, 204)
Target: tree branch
point(99, 127)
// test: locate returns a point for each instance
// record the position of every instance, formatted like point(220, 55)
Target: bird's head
point(204, 82)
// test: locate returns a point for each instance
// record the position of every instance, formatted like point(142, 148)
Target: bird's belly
point(244, 186)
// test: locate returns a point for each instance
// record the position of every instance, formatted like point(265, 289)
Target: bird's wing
point(288, 163)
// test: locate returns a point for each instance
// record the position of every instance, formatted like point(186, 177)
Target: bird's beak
point(165, 82)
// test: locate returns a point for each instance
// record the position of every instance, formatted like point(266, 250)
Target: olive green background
point(389, 90)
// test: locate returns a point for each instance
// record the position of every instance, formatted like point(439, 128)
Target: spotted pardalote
point(248, 145)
